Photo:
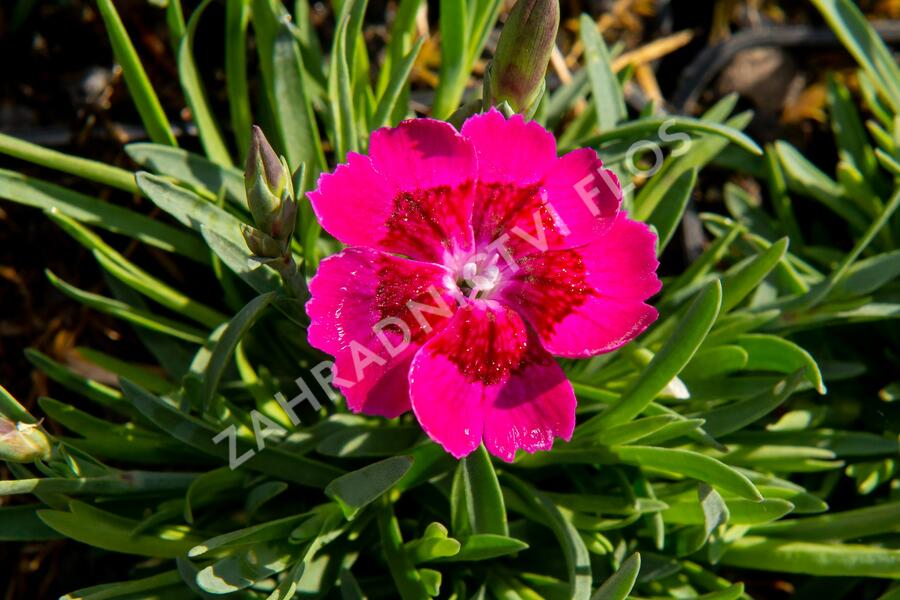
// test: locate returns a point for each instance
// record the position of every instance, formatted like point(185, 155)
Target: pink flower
point(474, 257)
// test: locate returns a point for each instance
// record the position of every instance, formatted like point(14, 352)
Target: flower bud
point(22, 442)
point(270, 193)
point(517, 73)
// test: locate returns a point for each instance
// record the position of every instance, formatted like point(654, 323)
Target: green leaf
point(484, 501)
point(620, 584)
point(772, 353)
point(268, 531)
point(221, 355)
point(192, 85)
point(702, 151)
point(90, 211)
point(605, 87)
point(357, 489)
point(576, 554)
point(652, 127)
point(11, 409)
point(454, 70)
point(738, 283)
point(193, 169)
point(237, 18)
point(734, 417)
point(128, 313)
point(740, 512)
point(666, 217)
point(689, 464)
point(73, 165)
point(190, 209)
point(21, 524)
point(398, 83)
point(369, 441)
point(295, 117)
point(193, 432)
point(136, 278)
point(138, 373)
point(864, 43)
point(807, 179)
point(839, 526)
point(339, 90)
point(139, 85)
point(407, 579)
point(667, 363)
point(95, 527)
point(715, 361)
point(93, 390)
point(828, 560)
point(485, 546)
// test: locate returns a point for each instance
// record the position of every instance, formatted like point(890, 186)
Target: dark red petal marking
point(550, 286)
point(501, 207)
point(398, 286)
point(424, 223)
point(489, 344)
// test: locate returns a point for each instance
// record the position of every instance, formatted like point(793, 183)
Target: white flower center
point(475, 275)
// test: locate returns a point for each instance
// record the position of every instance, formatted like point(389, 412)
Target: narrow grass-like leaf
point(190, 168)
point(407, 579)
point(829, 560)
point(357, 489)
point(139, 86)
point(22, 524)
point(772, 353)
point(667, 363)
point(237, 18)
point(109, 531)
point(11, 409)
point(67, 163)
point(388, 102)
point(738, 283)
point(221, 355)
point(689, 464)
point(340, 92)
point(577, 558)
point(642, 129)
point(295, 117)
point(861, 40)
point(195, 95)
point(733, 417)
point(620, 584)
point(605, 87)
point(196, 433)
point(128, 313)
point(667, 215)
point(90, 211)
point(485, 547)
point(453, 72)
point(839, 526)
point(484, 501)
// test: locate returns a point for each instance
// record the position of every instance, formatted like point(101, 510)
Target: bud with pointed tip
point(270, 193)
point(516, 75)
point(22, 442)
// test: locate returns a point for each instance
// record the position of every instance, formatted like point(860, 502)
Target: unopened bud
point(267, 179)
point(22, 442)
point(262, 245)
point(517, 73)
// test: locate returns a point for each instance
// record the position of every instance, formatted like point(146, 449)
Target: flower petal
point(526, 192)
point(510, 150)
point(589, 300)
point(357, 292)
point(411, 195)
point(486, 377)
